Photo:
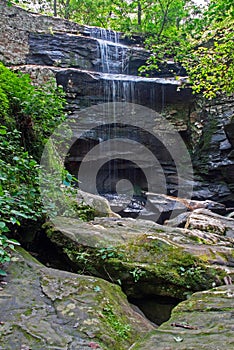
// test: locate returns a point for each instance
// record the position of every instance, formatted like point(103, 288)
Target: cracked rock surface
point(204, 321)
point(43, 309)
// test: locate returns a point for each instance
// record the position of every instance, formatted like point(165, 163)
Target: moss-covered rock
point(204, 321)
point(44, 308)
point(145, 258)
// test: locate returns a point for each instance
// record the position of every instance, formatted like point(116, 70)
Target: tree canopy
point(210, 58)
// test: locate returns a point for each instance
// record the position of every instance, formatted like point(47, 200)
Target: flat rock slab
point(204, 321)
point(145, 257)
point(43, 309)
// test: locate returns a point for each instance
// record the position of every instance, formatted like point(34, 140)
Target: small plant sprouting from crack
point(137, 273)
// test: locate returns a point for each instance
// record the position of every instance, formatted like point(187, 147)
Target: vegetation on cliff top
point(199, 38)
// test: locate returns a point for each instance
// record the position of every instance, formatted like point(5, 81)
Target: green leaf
point(13, 220)
point(2, 224)
point(18, 213)
point(3, 273)
point(3, 130)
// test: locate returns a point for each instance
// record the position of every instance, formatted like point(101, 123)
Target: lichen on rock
point(43, 308)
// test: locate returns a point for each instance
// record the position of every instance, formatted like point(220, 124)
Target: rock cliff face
point(79, 51)
point(214, 151)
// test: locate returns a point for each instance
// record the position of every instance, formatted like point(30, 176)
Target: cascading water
point(113, 55)
point(112, 84)
point(119, 87)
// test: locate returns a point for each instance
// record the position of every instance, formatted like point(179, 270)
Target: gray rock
point(229, 129)
point(178, 221)
point(100, 205)
point(148, 259)
point(205, 220)
point(43, 309)
point(203, 322)
point(78, 51)
point(165, 205)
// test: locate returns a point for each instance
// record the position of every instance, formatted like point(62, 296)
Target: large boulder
point(45, 309)
point(99, 204)
point(204, 321)
point(144, 257)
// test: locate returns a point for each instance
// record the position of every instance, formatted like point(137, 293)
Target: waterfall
point(118, 87)
point(113, 55)
point(128, 159)
point(117, 90)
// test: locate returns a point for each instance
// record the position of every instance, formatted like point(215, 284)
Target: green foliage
point(28, 115)
point(161, 51)
point(210, 63)
point(155, 17)
point(109, 253)
point(203, 44)
point(84, 212)
point(33, 110)
point(6, 247)
point(137, 273)
point(19, 194)
point(19, 176)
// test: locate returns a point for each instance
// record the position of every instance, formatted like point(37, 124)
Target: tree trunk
point(55, 8)
point(139, 12)
point(67, 10)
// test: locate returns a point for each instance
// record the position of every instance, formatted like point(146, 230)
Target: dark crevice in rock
point(47, 252)
point(155, 308)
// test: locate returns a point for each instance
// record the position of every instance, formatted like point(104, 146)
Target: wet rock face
point(204, 321)
point(64, 50)
point(70, 50)
point(43, 309)
point(100, 87)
